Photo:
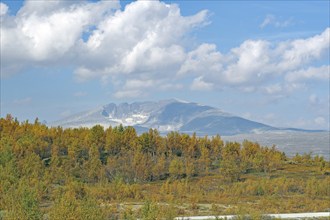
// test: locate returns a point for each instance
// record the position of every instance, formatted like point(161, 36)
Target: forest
point(115, 173)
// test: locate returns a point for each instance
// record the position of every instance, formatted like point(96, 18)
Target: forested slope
point(97, 173)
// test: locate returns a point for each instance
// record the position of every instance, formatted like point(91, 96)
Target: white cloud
point(204, 58)
point(273, 89)
point(299, 52)
point(312, 73)
point(83, 74)
point(255, 63)
point(100, 40)
point(272, 20)
point(268, 20)
point(135, 88)
point(48, 32)
point(142, 48)
point(250, 61)
point(3, 9)
point(145, 38)
point(199, 84)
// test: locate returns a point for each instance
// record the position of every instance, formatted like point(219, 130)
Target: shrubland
point(114, 173)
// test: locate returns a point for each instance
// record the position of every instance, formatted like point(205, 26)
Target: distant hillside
point(166, 116)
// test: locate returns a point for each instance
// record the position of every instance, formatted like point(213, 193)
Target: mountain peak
point(165, 115)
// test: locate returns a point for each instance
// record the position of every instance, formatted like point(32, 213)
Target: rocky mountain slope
point(165, 115)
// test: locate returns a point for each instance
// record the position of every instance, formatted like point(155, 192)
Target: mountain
point(166, 116)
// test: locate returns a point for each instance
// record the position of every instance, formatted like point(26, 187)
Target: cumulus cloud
point(298, 52)
point(258, 62)
point(47, 32)
point(144, 39)
point(142, 47)
point(250, 61)
point(204, 58)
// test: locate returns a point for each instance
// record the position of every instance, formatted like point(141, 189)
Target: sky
point(266, 61)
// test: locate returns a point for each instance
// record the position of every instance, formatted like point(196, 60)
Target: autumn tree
point(230, 165)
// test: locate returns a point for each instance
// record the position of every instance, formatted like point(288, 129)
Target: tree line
point(105, 154)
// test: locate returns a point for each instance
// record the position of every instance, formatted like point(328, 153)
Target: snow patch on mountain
point(166, 116)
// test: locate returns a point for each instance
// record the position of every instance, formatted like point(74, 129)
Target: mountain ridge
point(165, 116)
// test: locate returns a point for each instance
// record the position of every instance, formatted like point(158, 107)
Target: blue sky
point(265, 61)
